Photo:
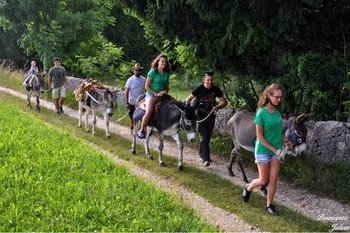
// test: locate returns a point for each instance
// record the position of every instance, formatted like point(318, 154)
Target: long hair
point(264, 98)
point(154, 64)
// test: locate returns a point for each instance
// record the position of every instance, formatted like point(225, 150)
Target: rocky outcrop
point(222, 117)
point(329, 141)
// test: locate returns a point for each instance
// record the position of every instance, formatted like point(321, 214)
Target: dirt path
point(293, 197)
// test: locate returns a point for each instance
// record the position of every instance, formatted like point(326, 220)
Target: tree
point(55, 28)
point(254, 40)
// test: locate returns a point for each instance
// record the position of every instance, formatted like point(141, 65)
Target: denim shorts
point(148, 94)
point(265, 158)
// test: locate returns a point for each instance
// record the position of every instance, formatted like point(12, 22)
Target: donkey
point(32, 85)
point(97, 100)
point(170, 116)
point(242, 130)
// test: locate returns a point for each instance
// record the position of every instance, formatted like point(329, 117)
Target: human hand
point(161, 93)
point(280, 154)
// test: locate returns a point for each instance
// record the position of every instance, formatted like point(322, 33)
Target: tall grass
point(50, 181)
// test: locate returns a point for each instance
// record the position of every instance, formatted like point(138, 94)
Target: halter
point(293, 135)
point(183, 119)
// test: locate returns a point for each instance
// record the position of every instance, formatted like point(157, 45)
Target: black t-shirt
point(206, 99)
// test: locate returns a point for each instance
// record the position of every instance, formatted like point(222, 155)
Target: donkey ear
point(303, 117)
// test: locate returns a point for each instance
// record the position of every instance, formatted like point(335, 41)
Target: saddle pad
point(141, 105)
point(138, 114)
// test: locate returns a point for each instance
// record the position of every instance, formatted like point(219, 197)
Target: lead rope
point(119, 119)
point(206, 116)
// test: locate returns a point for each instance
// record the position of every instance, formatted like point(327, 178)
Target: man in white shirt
point(134, 87)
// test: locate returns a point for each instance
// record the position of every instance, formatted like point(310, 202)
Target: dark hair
point(56, 59)
point(154, 64)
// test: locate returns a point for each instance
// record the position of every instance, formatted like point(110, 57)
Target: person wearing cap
point(157, 84)
point(134, 87)
point(206, 95)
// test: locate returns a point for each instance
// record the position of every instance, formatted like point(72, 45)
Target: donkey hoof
point(133, 151)
point(150, 158)
point(162, 164)
point(230, 173)
point(181, 168)
point(108, 137)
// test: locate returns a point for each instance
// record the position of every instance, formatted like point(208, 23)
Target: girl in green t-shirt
point(268, 124)
point(157, 84)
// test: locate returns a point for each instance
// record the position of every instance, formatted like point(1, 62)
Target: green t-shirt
point(158, 80)
point(272, 125)
point(57, 75)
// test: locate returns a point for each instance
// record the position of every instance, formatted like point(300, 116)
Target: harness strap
point(92, 97)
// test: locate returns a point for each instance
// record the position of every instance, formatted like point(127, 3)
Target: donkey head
point(296, 133)
point(108, 98)
point(188, 120)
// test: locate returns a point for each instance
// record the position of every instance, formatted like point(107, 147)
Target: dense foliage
point(302, 45)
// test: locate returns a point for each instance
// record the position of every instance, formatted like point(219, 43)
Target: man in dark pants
point(206, 95)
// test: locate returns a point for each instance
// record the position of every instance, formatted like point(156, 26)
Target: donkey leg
point(38, 102)
point(134, 135)
point(240, 163)
point(87, 113)
point(94, 120)
point(106, 117)
point(148, 154)
point(180, 146)
point(230, 162)
point(80, 115)
point(29, 96)
point(160, 148)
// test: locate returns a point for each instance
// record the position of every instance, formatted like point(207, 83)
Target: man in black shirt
point(206, 95)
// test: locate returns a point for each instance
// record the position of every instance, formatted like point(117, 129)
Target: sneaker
point(206, 164)
point(141, 134)
point(61, 110)
point(272, 210)
point(246, 194)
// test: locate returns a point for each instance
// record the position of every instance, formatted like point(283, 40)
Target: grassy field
point(52, 181)
point(218, 191)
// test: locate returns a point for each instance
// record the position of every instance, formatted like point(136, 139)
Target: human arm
point(66, 81)
point(223, 103)
point(189, 99)
point(127, 92)
point(49, 81)
point(262, 139)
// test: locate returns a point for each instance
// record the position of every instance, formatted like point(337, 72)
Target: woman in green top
point(268, 124)
point(157, 84)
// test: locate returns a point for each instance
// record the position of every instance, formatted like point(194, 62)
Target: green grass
point(53, 182)
point(218, 191)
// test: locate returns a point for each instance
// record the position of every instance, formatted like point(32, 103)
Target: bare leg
point(263, 176)
point(273, 177)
